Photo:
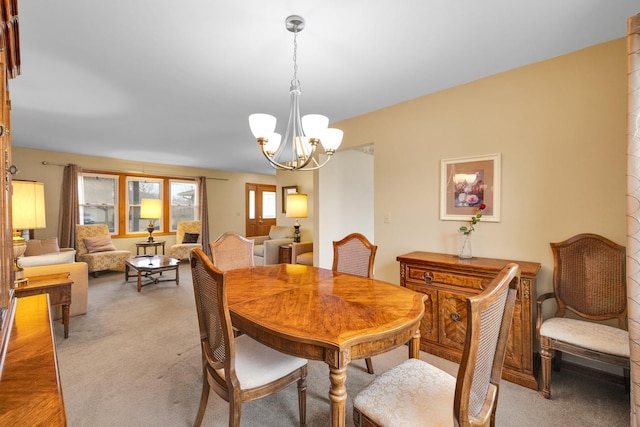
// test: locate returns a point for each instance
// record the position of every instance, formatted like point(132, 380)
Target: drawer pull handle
point(455, 317)
point(427, 277)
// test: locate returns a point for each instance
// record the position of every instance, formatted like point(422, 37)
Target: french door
point(260, 202)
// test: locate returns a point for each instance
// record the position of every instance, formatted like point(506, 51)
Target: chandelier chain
point(295, 56)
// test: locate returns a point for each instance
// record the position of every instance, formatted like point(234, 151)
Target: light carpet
point(134, 360)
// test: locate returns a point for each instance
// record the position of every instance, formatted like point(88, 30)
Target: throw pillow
point(190, 238)
point(99, 244)
point(42, 246)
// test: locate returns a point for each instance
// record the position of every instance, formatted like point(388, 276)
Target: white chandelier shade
point(297, 149)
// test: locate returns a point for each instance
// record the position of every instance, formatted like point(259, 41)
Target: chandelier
point(302, 135)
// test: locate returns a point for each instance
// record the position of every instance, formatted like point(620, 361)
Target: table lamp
point(151, 209)
point(296, 208)
point(27, 212)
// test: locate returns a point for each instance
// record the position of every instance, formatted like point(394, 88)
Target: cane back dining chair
point(416, 393)
point(589, 285)
point(355, 254)
point(231, 250)
point(239, 369)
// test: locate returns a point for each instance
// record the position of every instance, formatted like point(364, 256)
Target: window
point(98, 200)
point(115, 199)
point(184, 202)
point(138, 189)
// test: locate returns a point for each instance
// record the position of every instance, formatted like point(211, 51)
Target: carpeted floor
point(134, 360)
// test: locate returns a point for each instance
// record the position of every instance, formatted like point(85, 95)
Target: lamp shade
point(27, 205)
point(151, 208)
point(297, 205)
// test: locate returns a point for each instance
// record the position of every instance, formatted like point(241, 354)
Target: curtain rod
point(46, 163)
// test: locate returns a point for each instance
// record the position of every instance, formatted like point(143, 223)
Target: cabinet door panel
point(429, 323)
point(453, 319)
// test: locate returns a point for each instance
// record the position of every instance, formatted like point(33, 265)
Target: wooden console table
point(57, 285)
point(30, 390)
point(448, 281)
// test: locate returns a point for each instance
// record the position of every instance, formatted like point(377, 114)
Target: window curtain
point(633, 209)
point(69, 207)
point(204, 213)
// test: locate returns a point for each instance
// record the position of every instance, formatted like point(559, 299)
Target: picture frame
point(291, 189)
point(467, 182)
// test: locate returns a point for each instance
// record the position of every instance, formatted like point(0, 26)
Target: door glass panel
point(252, 204)
point(268, 204)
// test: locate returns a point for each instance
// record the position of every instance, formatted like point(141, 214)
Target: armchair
point(302, 253)
point(93, 246)
point(589, 281)
point(182, 248)
point(266, 248)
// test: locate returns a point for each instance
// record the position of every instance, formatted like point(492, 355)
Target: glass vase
point(464, 246)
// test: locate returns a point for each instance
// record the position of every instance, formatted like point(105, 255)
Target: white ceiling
point(174, 81)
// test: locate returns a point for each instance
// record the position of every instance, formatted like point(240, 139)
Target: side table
point(285, 254)
point(144, 245)
point(58, 286)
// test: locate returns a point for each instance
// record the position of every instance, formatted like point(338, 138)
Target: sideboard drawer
point(427, 276)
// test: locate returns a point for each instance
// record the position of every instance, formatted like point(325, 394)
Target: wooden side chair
point(416, 393)
point(589, 280)
point(239, 369)
point(355, 254)
point(231, 251)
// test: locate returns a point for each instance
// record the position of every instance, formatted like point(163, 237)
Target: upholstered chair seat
point(398, 396)
point(590, 335)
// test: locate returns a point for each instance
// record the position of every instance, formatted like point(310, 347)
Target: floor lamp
point(296, 208)
point(27, 212)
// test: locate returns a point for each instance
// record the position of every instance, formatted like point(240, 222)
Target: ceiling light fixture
point(302, 135)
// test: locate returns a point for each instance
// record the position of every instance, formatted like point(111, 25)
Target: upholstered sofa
point(101, 254)
point(266, 249)
point(192, 230)
point(44, 257)
point(302, 253)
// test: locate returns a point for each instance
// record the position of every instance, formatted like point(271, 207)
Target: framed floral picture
point(468, 182)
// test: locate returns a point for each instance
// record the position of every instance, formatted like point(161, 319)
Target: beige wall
point(560, 126)
point(225, 192)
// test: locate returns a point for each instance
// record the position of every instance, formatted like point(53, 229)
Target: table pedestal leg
point(338, 396)
point(139, 281)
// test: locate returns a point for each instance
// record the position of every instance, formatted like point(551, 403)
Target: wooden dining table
point(319, 314)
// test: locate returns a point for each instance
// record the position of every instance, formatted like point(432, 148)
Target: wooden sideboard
point(448, 281)
point(30, 391)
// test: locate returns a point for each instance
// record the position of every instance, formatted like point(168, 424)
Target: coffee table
point(148, 265)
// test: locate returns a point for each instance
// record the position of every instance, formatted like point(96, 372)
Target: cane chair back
point(354, 254)
point(417, 393)
point(239, 369)
point(231, 251)
point(589, 283)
